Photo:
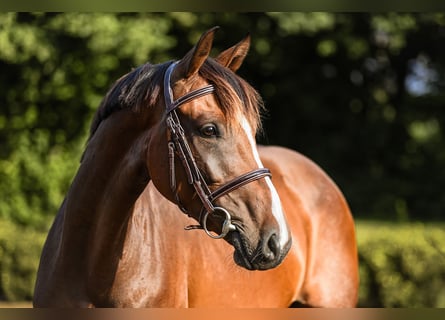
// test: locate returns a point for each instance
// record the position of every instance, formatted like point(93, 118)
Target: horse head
point(202, 154)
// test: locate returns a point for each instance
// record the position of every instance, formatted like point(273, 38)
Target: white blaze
point(277, 210)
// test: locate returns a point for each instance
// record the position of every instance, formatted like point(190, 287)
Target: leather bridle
point(179, 146)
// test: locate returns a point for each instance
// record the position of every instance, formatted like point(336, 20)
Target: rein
point(178, 146)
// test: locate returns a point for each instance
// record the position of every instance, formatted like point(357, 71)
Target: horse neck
point(112, 175)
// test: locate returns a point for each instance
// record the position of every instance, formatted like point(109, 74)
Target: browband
point(168, 93)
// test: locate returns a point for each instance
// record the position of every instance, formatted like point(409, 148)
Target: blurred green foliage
point(55, 70)
point(20, 249)
point(401, 265)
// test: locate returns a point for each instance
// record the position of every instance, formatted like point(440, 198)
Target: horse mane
point(143, 86)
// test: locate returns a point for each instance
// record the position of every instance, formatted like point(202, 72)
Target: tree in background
point(55, 70)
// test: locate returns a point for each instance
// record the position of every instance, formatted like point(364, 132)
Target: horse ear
point(193, 60)
point(233, 57)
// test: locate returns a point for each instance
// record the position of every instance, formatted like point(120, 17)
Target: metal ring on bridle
point(226, 227)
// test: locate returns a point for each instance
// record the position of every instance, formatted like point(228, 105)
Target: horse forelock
point(234, 94)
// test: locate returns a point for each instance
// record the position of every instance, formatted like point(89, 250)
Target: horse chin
point(242, 257)
point(240, 260)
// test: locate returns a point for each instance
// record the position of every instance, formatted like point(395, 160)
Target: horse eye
point(209, 130)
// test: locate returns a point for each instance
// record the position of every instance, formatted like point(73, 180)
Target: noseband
point(179, 146)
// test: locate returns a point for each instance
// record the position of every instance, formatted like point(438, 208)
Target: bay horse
point(179, 137)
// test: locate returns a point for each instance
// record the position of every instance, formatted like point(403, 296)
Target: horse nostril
point(272, 251)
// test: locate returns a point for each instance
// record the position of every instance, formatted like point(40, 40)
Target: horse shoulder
point(332, 265)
